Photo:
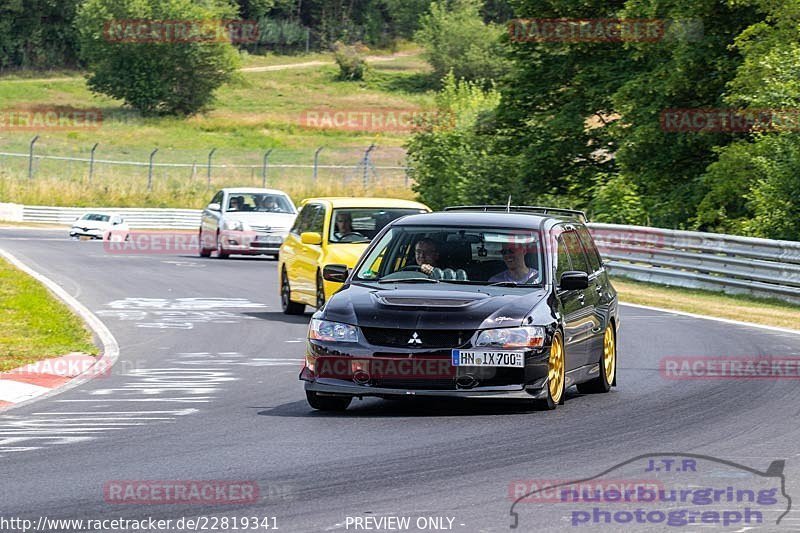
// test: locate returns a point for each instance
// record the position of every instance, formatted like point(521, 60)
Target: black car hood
point(440, 307)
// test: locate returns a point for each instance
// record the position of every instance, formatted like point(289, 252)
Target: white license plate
point(269, 239)
point(498, 358)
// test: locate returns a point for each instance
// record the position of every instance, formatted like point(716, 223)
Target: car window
point(483, 256)
point(562, 259)
point(589, 247)
point(318, 221)
point(217, 198)
point(575, 250)
point(363, 224)
point(94, 217)
point(303, 221)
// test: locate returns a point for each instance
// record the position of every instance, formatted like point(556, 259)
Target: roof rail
point(563, 213)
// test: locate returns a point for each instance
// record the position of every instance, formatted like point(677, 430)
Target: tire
point(204, 252)
point(608, 366)
point(320, 291)
point(220, 250)
point(287, 305)
point(328, 403)
point(556, 377)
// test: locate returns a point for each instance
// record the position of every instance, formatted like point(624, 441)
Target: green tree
point(38, 34)
point(456, 39)
point(169, 77)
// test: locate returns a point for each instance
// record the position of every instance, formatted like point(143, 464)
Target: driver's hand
point(426, 269)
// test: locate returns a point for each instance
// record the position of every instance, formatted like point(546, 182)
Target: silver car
point(246, 221)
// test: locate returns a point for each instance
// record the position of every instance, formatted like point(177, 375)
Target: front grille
point(269, 229)
point(425, 338)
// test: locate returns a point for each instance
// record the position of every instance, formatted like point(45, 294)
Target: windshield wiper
point(510, 284)
point(409, 280)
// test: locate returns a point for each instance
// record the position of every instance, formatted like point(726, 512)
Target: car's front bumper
point(80, 232)
point(508, 392)
point(417, 373)
point(248, 244)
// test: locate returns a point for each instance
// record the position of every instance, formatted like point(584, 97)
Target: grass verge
point(34, 324)
point(702, 302)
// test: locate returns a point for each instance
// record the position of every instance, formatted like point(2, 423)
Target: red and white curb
point(49, 377)
point(33, 380)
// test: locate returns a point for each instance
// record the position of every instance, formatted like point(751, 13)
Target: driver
point(344, 224)
point(427, 255)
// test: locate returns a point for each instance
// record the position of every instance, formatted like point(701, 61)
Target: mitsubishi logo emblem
point(415, 339)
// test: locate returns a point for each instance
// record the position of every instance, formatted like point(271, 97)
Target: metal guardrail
point(136, 218)
point(691, 259)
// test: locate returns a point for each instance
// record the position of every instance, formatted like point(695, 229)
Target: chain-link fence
point(325, 170)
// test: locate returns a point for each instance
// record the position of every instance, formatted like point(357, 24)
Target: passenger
point(518, 272)
point(269, 204)
point(427, 255)
point(234, 204)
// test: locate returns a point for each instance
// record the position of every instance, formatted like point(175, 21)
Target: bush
point(457, 40)
point(350, 58)
point(617, 201)
point(166, 77)
point(451, 157)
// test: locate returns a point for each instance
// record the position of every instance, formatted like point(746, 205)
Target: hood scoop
point(412, 301)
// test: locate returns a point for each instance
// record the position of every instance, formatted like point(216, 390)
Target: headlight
point(323, 330)
point(235, 225)
point(524, 337)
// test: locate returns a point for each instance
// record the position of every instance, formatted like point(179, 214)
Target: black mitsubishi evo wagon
point(472, 302)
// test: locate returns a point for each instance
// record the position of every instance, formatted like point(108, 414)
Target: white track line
point(705, 317)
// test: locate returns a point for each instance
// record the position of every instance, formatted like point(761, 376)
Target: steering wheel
point(351, 233)
point(415, 268)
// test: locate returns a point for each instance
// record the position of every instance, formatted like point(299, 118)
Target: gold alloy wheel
point(555, 371)
point(609, 355)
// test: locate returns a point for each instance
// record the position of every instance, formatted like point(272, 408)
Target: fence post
point(264, 169)
point(208, 177)
point(366, 164)
point(194, 171)
point(91, 162)
point(316, 162)
point(150, 171)
point(308, 39)
point(30, 158)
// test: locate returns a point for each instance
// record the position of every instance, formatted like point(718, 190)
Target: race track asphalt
point(206, 388)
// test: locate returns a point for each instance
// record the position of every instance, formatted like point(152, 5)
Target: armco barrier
point(136, 218)
point(692, 259)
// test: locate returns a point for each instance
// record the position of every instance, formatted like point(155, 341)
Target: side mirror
point(214, 207)
point(574, 280)
point(335, 273)
point(311, 237)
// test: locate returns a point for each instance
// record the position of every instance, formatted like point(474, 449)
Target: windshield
point(362, 224)
point(95, 217)
point(496, 256)
point(259, 202)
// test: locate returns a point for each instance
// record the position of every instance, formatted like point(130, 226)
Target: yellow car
point(331, 231)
